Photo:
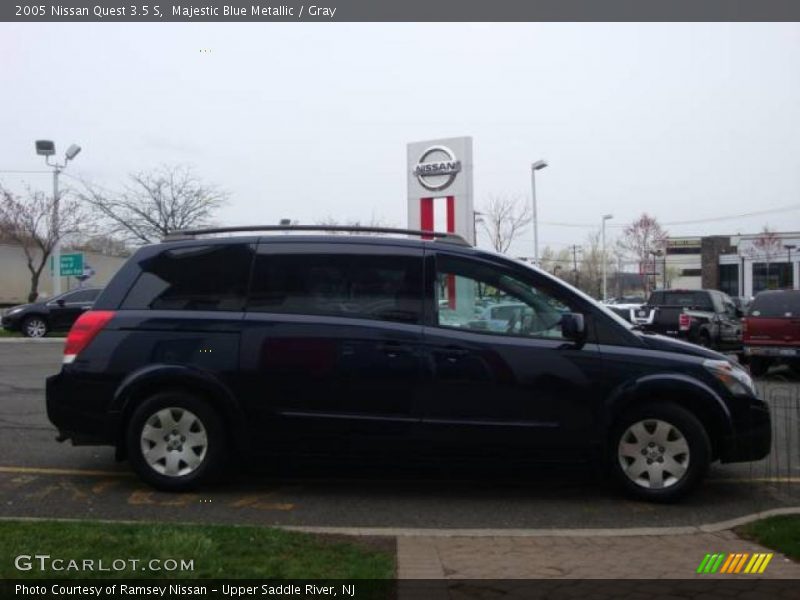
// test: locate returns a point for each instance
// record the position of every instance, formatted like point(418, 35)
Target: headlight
point(735, 378)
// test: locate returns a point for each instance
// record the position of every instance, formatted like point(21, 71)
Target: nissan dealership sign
point(437, 168)
point(439, 177)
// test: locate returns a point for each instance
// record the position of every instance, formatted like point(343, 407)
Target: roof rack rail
point(187, 234)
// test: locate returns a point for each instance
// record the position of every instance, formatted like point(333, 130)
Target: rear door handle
point(394, 349)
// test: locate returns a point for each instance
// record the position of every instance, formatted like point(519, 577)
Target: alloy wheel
point(174, 442)
point(653, 454)
point(35, 328)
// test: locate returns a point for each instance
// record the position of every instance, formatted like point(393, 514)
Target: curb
point(607, 532)
point(422, 532)
point(22, 340)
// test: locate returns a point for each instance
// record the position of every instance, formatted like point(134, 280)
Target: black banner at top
point(397, 10)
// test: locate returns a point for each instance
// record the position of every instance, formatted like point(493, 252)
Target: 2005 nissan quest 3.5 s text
point(204, 347)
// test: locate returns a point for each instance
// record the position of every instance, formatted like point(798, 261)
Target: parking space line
point(54, 471)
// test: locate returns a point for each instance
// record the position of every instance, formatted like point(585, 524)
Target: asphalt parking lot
point(41, 478)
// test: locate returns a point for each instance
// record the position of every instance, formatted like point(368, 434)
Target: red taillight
point(83, 331)
point(684, 322)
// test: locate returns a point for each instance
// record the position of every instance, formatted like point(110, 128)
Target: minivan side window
point(362, 286)
point(477, 297)
point(209, 277)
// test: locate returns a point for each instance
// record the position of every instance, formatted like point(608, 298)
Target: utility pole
point(575, 250)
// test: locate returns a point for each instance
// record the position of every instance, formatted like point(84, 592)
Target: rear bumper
point(752, 439)
point(772, 351)
point(78, 409)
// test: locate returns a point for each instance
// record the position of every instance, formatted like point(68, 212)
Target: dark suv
point(360, 345)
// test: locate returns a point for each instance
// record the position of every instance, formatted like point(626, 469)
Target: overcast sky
point(311, 120)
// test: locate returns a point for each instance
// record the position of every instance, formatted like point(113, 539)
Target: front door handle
point(453, 354)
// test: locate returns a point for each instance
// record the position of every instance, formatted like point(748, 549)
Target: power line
point(686, 222)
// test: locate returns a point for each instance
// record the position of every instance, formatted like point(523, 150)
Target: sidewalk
point(563, 557)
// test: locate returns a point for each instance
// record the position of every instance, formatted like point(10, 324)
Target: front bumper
point(752, 437)
point(9, 323)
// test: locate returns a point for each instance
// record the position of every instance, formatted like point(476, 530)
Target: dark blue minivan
point(205, 347)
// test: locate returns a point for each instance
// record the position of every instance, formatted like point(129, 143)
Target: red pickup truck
point(771, 330)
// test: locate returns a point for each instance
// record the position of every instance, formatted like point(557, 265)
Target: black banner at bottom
point(414, 589)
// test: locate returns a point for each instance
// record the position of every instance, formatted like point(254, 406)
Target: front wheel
point(659, 452)
point(176, 441)
point(34, 327)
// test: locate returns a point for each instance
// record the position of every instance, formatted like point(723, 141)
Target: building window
point(729, 279)
point(683, 250)
point(771, 276)
point(691, 272)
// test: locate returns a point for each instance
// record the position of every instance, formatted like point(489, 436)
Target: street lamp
point(605, 218)
point(537, 166)
point(476, 218)
point(47, 148)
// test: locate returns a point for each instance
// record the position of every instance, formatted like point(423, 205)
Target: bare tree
point(155, 203)
point(767, 247)
point(32, 223)
point(638, 239)
point(373, 221)
point(504, 219)
point(103, 244)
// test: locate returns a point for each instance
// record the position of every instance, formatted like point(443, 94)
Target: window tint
point(481, 298)
point(81, 296)
point(385, 288)
point(210, 277)
point(698, 300)
point(776, 304)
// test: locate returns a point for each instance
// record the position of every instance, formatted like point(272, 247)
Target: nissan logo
point(437, 168)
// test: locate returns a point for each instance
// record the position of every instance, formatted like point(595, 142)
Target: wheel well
point(195, 388)
point(694, 401)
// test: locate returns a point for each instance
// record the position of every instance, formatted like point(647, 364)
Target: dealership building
point(739, 265)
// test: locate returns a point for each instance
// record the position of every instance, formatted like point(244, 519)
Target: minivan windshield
point(776, 304)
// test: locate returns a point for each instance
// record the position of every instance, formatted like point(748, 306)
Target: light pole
point(537, 166)
point(476, 218)
point(789, 248)
point(47, 149)
point(605, 218)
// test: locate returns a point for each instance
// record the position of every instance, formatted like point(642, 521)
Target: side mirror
point(60, 302)
point(573, 327)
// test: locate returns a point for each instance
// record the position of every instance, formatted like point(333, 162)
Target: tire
point(34, 327)
point(656, 431)
point(704, 340)
point(759, 366)
point(166, 423)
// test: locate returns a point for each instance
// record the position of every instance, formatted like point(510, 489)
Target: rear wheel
point(34, 327)
point(704, 339)
point(659, 452)
point(176, 441)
